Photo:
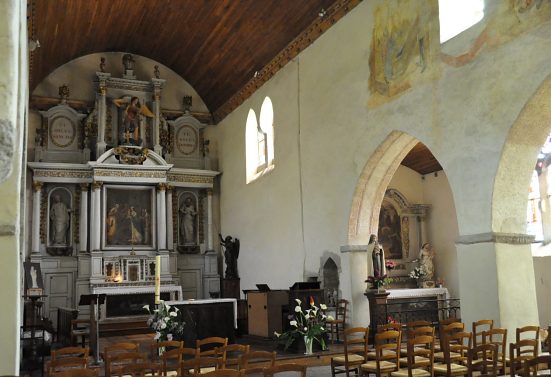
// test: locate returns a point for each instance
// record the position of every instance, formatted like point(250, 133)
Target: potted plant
point(378, 282)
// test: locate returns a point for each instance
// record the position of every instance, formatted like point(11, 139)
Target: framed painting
point(390, 231)
point(129, 217)
point(33, 279)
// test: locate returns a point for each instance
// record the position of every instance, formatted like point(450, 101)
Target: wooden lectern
point(264, 312)
point(95, 301)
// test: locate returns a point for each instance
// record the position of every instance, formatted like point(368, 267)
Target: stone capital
point(96, 185)
point(84, 186)
point(37, 186)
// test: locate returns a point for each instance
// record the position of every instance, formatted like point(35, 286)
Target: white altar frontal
point(116, 187)
point(440, 293)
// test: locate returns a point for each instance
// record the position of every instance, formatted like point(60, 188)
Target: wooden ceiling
point(215, 45)
point(421, 160)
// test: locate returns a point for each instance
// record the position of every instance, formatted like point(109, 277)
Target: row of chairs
point(211, 354)
point(456, 353)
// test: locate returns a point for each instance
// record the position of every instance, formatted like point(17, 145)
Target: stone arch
point(372, 184)
point(517, 162)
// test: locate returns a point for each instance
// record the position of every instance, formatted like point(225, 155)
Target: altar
point(208, 317)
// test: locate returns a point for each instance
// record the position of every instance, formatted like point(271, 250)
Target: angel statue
point(131, 118)
point(231, 254)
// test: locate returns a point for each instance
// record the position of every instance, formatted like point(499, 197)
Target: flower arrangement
point(417, 273)
point(390, 265)
point(311, 324)
point(166, 321)
point(378, 281)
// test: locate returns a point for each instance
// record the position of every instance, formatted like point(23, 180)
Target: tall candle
point(157, 279)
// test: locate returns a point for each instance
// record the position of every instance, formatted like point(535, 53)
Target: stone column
point(102, 112)
point(162, 216)
point(210, 236)
point(83, 227)
point(95, 228)
point(157, 86)
point(358, 262)
point(37, 198)
point(169, 223)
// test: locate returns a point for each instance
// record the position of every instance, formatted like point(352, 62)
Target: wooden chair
point(387, 353)
point(116, 363)
point(66, 363)
point(78, 372)
point(188, 364)
point(70, 352)
point(166, 345)
point(520, 352)
point(483, 359)
point(223, 373)
point(420, 357)
point(456, 347)
point(200, 365)
point(446, 322)
point(528, 332)
point(355, 352)
point(171, 362)
point(419, 323)
point(498, 336)
point(205, 347)
point(80, 328)
point(533, 367)
point(285, 368)
point(338, 325)
point(445, 332)
point(415, 332)
point(479, 327)
point(142, 369)
point(255, 362)
point(392, 326)
point(114, 349)
point(229, 355)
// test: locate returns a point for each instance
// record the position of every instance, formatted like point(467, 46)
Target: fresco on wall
point(404, 43)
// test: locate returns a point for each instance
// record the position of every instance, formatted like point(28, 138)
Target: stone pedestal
point(377, 301)
point(231, 288)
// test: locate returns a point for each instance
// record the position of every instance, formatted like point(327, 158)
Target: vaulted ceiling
point(216, 45)
point(421, 159)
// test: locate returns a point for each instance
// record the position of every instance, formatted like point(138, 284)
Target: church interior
point(243, 161)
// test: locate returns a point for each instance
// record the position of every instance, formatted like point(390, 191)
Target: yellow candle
point(157, 279)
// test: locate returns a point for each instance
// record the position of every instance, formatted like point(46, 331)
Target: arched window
point(458, 16)
point(259, 141)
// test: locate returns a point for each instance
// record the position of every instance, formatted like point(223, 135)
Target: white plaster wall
point(409, 183)
point(542, 266)
point(302, 207)
point(442, 229)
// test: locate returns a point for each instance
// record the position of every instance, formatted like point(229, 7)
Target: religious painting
point(404, 44)
point(129, 215)
point(33, 279)
point(187, 219)
point(390, 231)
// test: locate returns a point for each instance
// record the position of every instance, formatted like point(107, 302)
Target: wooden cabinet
point(264, 312)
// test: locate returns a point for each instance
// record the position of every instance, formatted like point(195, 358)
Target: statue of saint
point(426, 256)
point(377, 256)
point(131, 119)
point(34, 283)
point(187, 221)
point(60, 218)
point(230, 255)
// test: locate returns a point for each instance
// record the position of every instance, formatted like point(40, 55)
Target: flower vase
point(308, 343)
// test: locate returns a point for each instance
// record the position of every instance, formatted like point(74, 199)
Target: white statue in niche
point(34, 283)
point(60, 218)
point(426, 256)
point(187, 221)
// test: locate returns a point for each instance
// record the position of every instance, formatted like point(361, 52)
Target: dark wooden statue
point(230, 255)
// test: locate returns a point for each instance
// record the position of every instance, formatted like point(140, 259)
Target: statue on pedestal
point(187, 221)
point(61, 219)
point(426, 256)
point(377, 256)
point(131, 119)
point(230, 255)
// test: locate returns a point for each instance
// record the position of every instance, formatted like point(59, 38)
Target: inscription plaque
point(187, 140)
point(62, 132)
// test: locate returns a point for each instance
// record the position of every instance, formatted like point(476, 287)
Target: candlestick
point(157, 280)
